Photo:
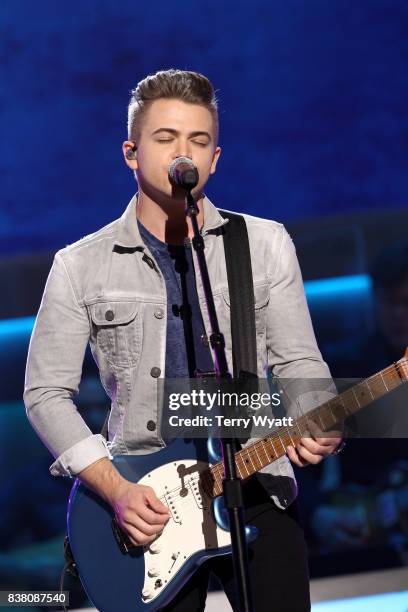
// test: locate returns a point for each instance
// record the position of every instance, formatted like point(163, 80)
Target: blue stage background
point(314, 128)
point(312, 103)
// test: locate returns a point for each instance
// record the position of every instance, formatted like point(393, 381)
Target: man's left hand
point(314, 446)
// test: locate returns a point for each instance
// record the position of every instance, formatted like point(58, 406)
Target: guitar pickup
point(172, 503)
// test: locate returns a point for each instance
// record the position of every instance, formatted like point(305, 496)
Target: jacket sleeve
point(292, 350)
point(53, 373)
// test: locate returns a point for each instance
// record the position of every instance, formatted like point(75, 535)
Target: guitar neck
point(264, 451)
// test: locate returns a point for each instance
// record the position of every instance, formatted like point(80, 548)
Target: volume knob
point(153, 571)
point(155, 547)
point(147, 593)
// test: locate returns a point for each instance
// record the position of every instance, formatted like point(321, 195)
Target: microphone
point(183, 173)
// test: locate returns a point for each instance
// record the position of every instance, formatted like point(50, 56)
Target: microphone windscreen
point(183, 172)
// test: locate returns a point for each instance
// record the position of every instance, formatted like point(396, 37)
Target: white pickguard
point(190, 529)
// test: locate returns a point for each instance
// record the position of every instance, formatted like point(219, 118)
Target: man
point(380, 447)
point(135, 292)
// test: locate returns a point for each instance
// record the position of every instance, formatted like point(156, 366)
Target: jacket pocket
point(117, 331)
point(261, 295)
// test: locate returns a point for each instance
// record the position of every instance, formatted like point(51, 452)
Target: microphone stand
point(232, 486)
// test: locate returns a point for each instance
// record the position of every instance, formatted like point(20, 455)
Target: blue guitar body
point(147, 578)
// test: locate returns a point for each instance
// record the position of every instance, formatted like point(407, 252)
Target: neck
point(327, 416)
point(167, 221)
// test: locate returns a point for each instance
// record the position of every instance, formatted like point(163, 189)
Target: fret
point(305, 420)
point(245, 462)
point(328, 404)
point(322, 412)
point(273, 451)
point(248, 452)
point(344, 404)
point(238, 468)
point(320, 419)
point(240, 458)
point(239, 463)
point(259, 459)
point(274, 448)
point(377, 385)
point(349, 401)
point(393, 379)
point(294, 436)
point(337, 409)
point(313, 416)
point(280, 440)
point(355, 396)
point(298, 428)
point(369, 388)
point(290, 437)
point(264, 450)
point(361, 394)
point(383, 379)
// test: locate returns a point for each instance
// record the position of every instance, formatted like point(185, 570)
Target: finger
point(136, 537)
point(155, 503)
point(294, 457)
point(315, 448)
point(307, 455)
point(322, 437)
point(145, 528)
point(151, 517)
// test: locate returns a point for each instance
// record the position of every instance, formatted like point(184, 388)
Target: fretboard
point(264, 451)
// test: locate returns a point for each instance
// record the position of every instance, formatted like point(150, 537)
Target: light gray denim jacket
point(102, 289)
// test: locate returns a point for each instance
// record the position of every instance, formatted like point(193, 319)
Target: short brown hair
point(190, 87)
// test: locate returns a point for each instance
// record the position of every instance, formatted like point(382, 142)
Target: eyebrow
point(175, 132)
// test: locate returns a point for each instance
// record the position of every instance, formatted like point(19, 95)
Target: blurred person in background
point(358, 500)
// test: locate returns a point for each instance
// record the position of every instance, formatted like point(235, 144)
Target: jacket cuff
point(80, 456)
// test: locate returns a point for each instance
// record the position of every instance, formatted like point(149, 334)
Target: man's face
point(172, 128)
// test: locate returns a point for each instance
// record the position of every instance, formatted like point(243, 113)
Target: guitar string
point(398, 366)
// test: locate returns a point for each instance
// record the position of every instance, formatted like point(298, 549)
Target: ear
point(129, 150)
point(215, 158)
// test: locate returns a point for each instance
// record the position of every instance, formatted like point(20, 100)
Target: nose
point(183, 148)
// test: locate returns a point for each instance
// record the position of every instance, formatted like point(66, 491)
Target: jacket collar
point(128, 235)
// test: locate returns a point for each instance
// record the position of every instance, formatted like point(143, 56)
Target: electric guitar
point(187, 477)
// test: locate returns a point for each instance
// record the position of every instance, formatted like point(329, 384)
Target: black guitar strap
point(241, 291)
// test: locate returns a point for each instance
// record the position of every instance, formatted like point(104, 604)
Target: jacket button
point(109, 315)
point(159, 314)
point(155, 372)
point(151, 425)
point(204, 339)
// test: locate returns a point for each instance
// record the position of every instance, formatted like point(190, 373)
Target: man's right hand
point(139, 512)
